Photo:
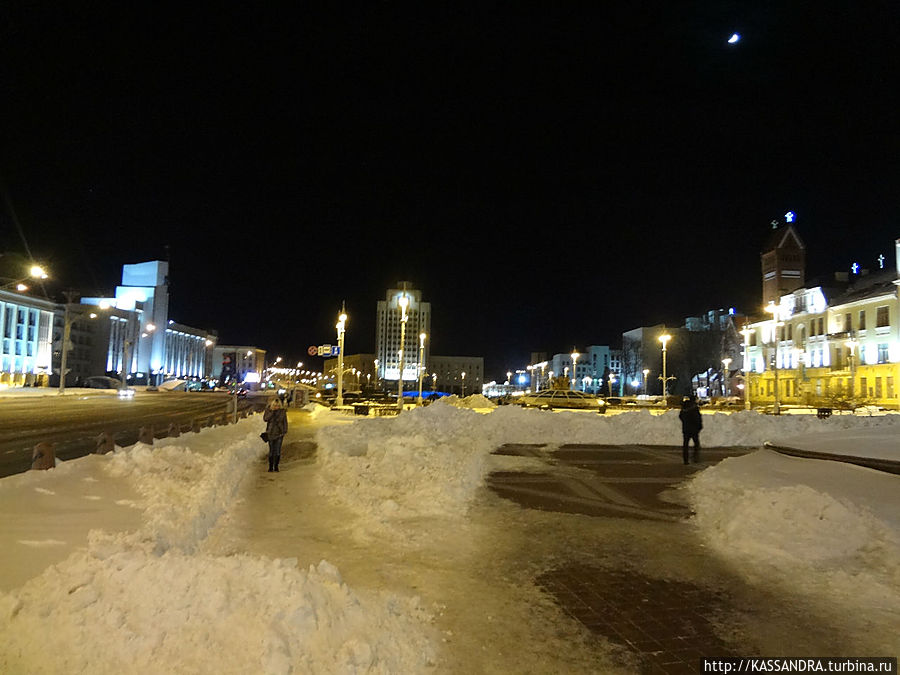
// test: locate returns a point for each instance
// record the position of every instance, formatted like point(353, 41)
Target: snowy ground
point(386, 554)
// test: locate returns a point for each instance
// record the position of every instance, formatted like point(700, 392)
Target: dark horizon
point(547, 178)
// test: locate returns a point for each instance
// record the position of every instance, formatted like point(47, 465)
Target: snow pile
point(315, 409)
point(474, 401)
point(198, 613)
point(185, 492)
point(432, 460)
point(831, 529)
point(156, 602)
point(426, 461)
point(744, 428)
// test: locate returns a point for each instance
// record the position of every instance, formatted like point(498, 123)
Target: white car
point(554, 398)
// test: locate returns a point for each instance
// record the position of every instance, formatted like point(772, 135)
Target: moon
point(735, 37)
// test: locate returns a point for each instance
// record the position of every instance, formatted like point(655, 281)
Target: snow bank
point(156, 602)
point(197, 613)
point(431, 460)
point(426, 461)
point(827, 529)
point(474, 401)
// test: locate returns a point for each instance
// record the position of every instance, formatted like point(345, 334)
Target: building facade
point(829, 346)
point(238, 363)
point(26, 339)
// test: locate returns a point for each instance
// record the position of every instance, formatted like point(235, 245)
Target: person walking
point(691, 424)
point(275, 417)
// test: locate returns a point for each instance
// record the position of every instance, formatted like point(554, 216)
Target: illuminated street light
point(773, 309)
point(403, 301)
point(340, 326)
point(852, 343)
point(69, 317)
point(421, 365)
point(665, 381)
point(575, 356)
point(725, 363)
point(646, 372)
point(463, 374)
point(746, 332)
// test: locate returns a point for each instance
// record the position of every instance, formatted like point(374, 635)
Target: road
point(75, 421)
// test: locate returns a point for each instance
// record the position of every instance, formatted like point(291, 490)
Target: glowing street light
point(463, 374)
point(773, 309)
point(340, 326)
point(746, 332)
point(852, 343)
point(575, 356)
point(664, 339)
point(726, 362)
point(421, 365)
point(403, 301)
point(646, 372)
point(71, 313)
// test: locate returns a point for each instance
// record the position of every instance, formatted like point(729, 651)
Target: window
point(812, 327)
point(848, 324)
point(821, 326)
point(862, 319)
point(790, 331)
point(883, 355)
point(882, 317)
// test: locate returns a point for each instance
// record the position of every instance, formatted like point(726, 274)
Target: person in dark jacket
point(276, 418)
point(691, 424)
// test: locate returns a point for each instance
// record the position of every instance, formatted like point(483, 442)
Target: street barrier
point(145, 435)
point(174, 430)
point(105, 443)
point(43, 456)
point(196, 426)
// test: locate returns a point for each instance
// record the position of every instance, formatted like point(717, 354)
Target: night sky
point(549, 178)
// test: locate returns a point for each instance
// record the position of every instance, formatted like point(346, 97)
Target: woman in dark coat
point(276, 429)
point(691, 424)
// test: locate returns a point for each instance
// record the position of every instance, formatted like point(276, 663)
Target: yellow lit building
point(829, 346)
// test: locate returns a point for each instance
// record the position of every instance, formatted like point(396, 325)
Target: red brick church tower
point(783, 263)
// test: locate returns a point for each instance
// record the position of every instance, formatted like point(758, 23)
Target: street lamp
point(747, 332)
point(376, 373)
point(68, 318)
point(725, 363)
point(772, 308)
point(612, 379)
point(36, 272)
point(463, 375)
point(646, 372)
point(665, 382)
point(852, 344)
point(340, 326)
point(421, 364)
point(575, 356)
point(403, 301)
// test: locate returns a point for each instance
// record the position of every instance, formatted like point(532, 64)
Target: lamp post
point(725, 363)
point(69, 318)
point(341, 326)
point(773, 309)
point(646, 372)
point(852, 344)
point(421, 365)
point(612, 379)
point(664, 339)
point(376, 373)
point(403, 301)
point(575, 356)
point(747, 332)
point(463, 376)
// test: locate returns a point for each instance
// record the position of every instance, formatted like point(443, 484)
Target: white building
point(26, 339)
point(830, 343)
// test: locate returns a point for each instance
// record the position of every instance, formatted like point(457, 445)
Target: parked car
point(553, 398)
